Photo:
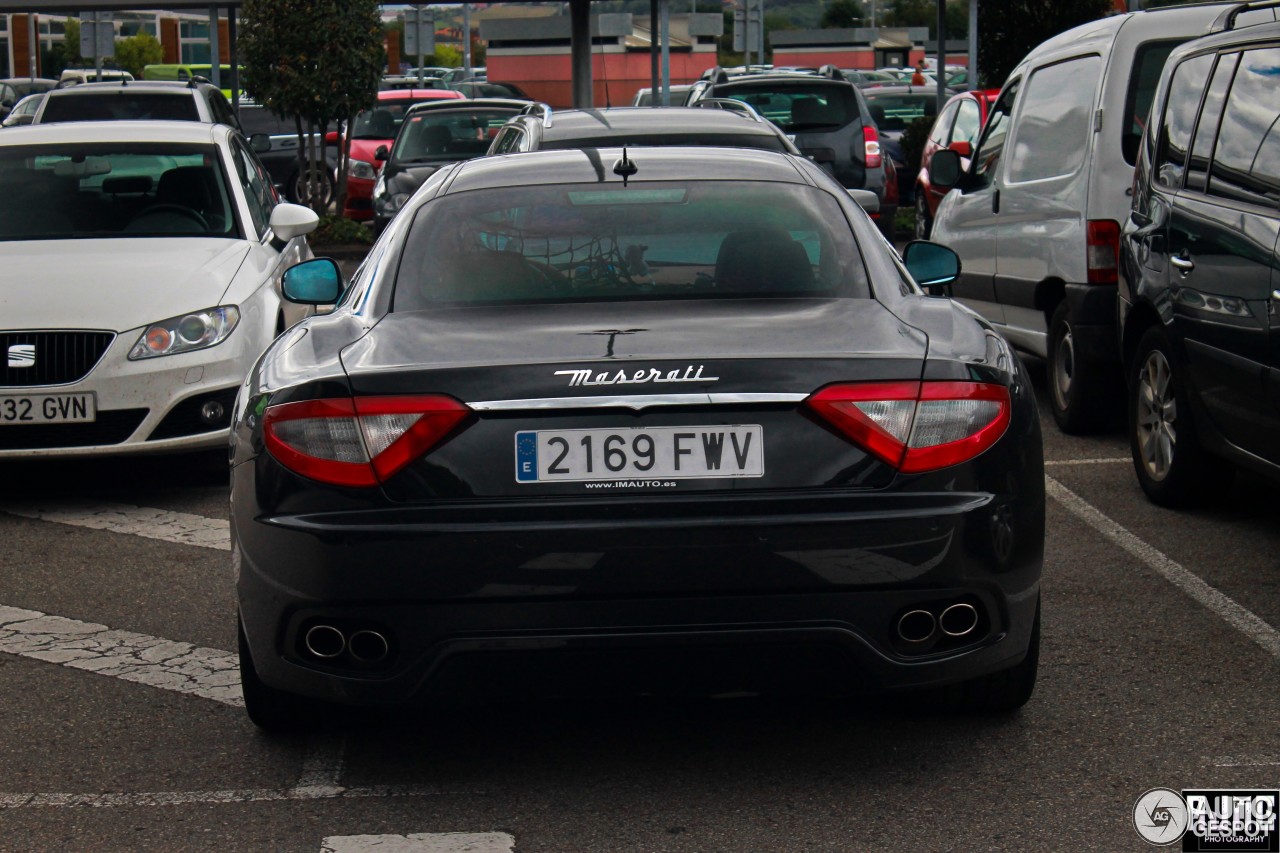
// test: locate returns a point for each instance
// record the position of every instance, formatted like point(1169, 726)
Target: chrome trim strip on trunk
point(635, 401)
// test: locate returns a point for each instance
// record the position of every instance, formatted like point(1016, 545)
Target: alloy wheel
point(1157, 416)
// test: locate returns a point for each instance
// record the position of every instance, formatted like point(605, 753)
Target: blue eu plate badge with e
point(526, 457)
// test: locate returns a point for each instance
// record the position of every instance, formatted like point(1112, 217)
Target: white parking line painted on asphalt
point(244, 795)
point(422, 842)
point(183, 528)
point(1243, 761)
point(322, 769)
point(1240, 618)
point(1108, 460)
point(155, 662)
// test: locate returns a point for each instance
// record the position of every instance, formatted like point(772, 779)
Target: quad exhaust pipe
point(364, 646)
point(920, 626)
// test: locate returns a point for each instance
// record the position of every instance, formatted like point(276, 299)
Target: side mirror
point(944, 169)
point(962, 147)
point(381, 153)
point(934, 267)
point(293, 220)
point(331, 138)
point(260, 143)
point(314, 282)
point(866, 200)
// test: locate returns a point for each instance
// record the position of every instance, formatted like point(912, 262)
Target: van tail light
point(871, 147)
point(917, 426)
point(361, 441)
point(1102, 241)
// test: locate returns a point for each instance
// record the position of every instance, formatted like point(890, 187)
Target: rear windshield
point(121, 104)
point(799, 108)
point(895, 112)
point(614, 139)
point(657, 240)
point(113, 190)
point(447, 136)
point(384, 120)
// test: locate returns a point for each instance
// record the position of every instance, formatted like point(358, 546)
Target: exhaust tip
point(958, 620)
point(916, 626)
point(324, 641)
point(368, 646)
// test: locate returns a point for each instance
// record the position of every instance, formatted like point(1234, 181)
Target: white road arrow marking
point(421, 842)
point(184, 528)
point(165, 664)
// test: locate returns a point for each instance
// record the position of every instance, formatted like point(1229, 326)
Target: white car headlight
point(197, 330)
point(364, 171)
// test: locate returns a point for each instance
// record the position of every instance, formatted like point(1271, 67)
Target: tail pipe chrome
point(325, 641)
point(916, 626)
point(368, 646)
point(958, 620)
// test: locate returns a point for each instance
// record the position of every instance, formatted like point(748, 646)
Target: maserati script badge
point(638, 377)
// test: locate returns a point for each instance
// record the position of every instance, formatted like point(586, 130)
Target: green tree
point(318, 61)
point(1008, 29)
point(842, 14)
point(138, 51)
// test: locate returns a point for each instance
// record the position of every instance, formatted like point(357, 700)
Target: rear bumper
point(455, 591)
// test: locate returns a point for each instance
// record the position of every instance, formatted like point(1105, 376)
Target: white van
point(1036, 218)
point(76, 76)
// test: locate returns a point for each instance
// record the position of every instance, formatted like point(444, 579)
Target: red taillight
point(871, 146)
point(357, 442)
point(1102, 239)
point(917, 426)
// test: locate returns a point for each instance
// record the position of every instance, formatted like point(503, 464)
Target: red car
point(373, 129)
point(957, 128)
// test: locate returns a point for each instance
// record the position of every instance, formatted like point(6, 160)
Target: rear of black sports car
point(749, 447)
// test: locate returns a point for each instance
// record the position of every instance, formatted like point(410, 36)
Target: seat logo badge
point(22, 355)
point(590, 377)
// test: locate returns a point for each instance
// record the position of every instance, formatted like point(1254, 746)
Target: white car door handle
point(1186, 265)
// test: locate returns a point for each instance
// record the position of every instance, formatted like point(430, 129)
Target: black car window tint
point(1185, 90)
point(987, 158)
point(1148, 63)
point(114, 105)
point(1197, 176)
point(1246, 159)
point(507, 141)
point(256, 189)
point(588, 242)
point(1056, 120)
point(968, 123)
point(895, 112)
point(797, 109)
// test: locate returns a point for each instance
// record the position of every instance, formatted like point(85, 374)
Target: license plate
point(668, 453)
point(47, 409)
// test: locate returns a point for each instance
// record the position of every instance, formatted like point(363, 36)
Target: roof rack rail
point(732, 105)
point(196, 79)
point(539, 107)
point(831, 71)
point(1227, 20)
point(715, 75)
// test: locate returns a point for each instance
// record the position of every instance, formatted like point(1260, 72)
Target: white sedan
point(140, 268)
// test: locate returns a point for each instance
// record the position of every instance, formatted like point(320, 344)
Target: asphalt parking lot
point(121, 727)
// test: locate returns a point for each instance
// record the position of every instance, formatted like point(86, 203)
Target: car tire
point(323, 183)
point(273, 711)
point(924, 222)
point(998, 692)
point(1173, 468)
point(1084, 396)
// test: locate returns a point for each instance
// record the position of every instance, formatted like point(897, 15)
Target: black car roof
point(572, 123)
point(1226, 38)
point(595, 165)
